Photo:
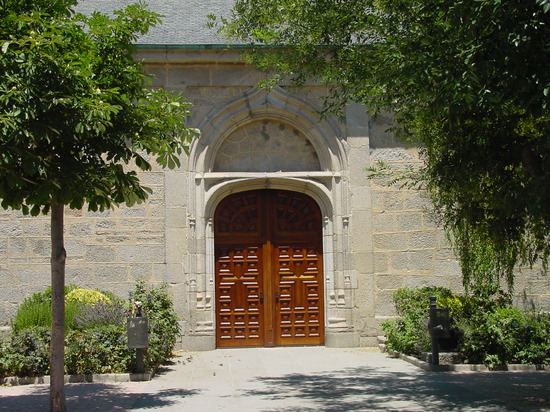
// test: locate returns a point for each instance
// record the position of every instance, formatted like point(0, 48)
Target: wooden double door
point(269, 270)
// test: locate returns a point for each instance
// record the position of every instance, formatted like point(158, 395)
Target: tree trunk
point(57, 347)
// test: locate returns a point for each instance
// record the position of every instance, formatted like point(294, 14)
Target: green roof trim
point(193, 46)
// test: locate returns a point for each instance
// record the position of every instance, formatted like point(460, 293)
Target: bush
point(535, 348)
point(506, 335)
point(96, 339)
point(102, 313)
point(102, 349)
point(37, 311)
point(97, 350)
point(26, 353)
point(409, 333)
point(86, 297)
point(32, 312)
point(163, 323)
point(489, 329)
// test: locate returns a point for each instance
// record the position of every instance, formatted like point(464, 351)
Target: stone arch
point(266, 145)
point(327, 185)
point(316, 191)
point(277, 105)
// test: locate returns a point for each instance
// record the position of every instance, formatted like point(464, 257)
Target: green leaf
point(445, 71)
point(69, 88)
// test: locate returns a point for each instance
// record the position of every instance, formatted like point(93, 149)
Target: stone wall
point(107, 250)
point(266, 146)
point(377, 237)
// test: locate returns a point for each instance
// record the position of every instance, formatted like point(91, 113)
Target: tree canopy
point(76, 122)
point(76, 109)
point(468, 80)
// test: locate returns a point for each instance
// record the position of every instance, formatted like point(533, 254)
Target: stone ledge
point(458, 367)
point(445, 358)
point(88, 378)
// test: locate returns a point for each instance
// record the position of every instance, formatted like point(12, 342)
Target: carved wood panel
point(299, 311)
point(269, 276)
point(239, 287)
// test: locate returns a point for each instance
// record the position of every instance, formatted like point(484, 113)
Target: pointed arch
point(327, 185)
point(277, 105)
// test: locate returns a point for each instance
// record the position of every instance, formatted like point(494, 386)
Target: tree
point(468, 80)
point(75, 111)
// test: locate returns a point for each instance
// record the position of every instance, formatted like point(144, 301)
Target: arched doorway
point(268, 270)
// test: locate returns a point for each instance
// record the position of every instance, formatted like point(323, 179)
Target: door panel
point(299, 314)
point(269, 277)
point(239, 296)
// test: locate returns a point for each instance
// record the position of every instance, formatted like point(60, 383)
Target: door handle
point(261, 298)
point(277, 297)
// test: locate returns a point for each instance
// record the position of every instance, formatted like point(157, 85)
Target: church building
point(271, 232)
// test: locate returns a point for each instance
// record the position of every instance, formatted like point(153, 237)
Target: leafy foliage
point(408, 334)
point(163, 321)
point(27, 353)
point(489, 329)
point(36, 310)
point(506, 335)
point(96, 340)
point(75, 108)
point(77, 122)
point(467, 80)
point(86, 296)
point(100, 314)
point(100, 349)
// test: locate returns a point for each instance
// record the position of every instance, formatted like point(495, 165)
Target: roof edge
point(160, 46)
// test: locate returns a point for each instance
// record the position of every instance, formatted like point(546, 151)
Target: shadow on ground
point(367, 389)
point(103, 397)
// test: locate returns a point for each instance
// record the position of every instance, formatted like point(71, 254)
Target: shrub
point(409, 333)
point(455, 304)
point(535, 347)
point(416, 301)
point(101, 314)
point(96, 339)
point(102, 349)
point(163, 322)
point(489, 329)
point(37, 311)
point(506, 335)
point(32, 312)
point(26, 353)
point(86, 296)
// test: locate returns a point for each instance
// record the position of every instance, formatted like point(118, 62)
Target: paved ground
point(305, 379)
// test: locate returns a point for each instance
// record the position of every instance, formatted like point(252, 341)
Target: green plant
point(85, 296)
point(409, 333)
point(444, 70)
point(96, 340)
point(102, 349)
point(163, 322)
point(32, 313)
point(506, 335)
point(455, 304)
point(26, 353)
point(99, 314)
point(488, 329)
point(535, 339)
point(37, 311)
point(75, 110)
